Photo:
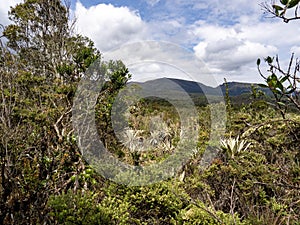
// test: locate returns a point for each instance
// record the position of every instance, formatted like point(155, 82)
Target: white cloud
point(227, 37)
point(109, 26)
point(272, 31)
point(172, 30)
point(231, 51)
point(154, 59)
point(152, 2)
point(233, 54)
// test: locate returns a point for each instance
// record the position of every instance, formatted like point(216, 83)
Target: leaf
point(292, 3)
point(273, 77)
point(258, 62)
point(281, 103)
point(282, 80)
point(277, 7)
point(280, 86)
point(284, 2)
point(269, 60)
point(263, 85)
point(272, 82)
point(282, 13)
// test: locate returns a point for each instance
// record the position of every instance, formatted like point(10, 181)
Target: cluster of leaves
point(78, 208)
point(281, 9)
point(284, 84)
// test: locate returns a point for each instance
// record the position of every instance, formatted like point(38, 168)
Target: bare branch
point(269, 9)
point(60, 134)
point(290, 65)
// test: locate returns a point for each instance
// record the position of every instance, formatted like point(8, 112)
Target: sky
point(226, 36)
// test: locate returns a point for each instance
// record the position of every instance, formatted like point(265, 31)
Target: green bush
point(81, 209)
point(201, 215)
point(155, 204)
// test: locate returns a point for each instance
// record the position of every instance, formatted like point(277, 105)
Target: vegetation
point(284, 84)
point(44, 179)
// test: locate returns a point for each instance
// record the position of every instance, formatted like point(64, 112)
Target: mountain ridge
point(192, 87)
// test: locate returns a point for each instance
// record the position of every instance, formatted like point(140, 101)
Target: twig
point(60, 135)
point(290, 65)
point(232, 202)
point(268, 9)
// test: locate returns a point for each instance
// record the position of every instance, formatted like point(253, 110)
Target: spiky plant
point(131, 139)
point(234, 146)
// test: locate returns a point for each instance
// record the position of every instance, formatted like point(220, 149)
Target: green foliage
point(70, 208)
point(45, 43)
point(39, 155)
point(284, 87)
point(155, 204)
point(199, 215)
point(284, 84)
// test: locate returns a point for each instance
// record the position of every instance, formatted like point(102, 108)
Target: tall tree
point(40, 66)
point(44, 39)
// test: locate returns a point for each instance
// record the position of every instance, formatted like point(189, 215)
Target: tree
point(40, 66)
point(44, 40)
point(284, 84)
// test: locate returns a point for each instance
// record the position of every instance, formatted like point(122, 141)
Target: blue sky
point(227, 36)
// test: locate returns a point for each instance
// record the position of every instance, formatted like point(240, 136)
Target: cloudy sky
point(227, 36)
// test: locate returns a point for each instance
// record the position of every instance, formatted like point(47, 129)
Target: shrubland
point(254, 177)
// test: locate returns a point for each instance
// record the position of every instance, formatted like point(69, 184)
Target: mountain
point(193, 88)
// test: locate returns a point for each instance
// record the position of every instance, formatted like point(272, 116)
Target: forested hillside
point(253, 178)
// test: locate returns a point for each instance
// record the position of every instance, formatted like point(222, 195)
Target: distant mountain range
point(193, 88)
